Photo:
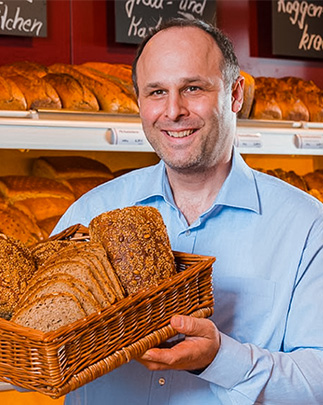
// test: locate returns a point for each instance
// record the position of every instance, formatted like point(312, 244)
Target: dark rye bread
point(16, 269)
point(65, 284)
point(45, 250)
point(137, 245)
point(50, 312)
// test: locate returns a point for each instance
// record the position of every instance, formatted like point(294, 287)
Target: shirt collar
point(239, 189)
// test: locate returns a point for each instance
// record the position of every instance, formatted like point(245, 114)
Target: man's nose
point(176, 106)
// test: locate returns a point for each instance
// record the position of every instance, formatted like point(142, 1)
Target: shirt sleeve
point(294, 375)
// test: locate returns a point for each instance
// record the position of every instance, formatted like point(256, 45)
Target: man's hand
point(197, 351)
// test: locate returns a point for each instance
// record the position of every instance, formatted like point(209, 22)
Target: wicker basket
point(58, 362)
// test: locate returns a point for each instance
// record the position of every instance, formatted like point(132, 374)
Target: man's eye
point(157, 92)
point(193, 89)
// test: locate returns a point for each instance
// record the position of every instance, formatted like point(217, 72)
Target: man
point(264, 343)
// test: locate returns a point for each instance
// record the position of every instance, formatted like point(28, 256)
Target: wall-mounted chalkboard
point(297, 28)
point(135, 17)
point(27, 18)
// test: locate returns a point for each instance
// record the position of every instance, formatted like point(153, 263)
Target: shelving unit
point(50, 130)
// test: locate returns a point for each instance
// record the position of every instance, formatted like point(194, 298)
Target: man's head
point(189, 91)
point(230, 65)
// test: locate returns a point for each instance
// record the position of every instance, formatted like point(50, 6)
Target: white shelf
point(61, 130)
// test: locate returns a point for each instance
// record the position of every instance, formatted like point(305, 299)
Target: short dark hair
point(229, 65)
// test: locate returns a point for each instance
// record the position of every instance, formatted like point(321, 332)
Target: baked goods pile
point(31, 205)
point(68, 280)
point(311, 182)
point(288, 98)
point(92, 86)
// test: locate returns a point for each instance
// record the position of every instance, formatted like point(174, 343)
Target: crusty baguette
point(25, 68)
point(11, 97)
point(125, 86)
point(73, 95)
point(38, 93)
point(119, 70)
point(110, 96)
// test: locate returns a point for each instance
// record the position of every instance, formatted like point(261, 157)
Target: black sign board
point(27, 18)
point(135, 17)
point(297, 28)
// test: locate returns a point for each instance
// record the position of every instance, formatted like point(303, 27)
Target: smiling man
point(264, 343)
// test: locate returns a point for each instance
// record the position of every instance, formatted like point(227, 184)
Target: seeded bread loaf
point(137, 245)
point(17, 267)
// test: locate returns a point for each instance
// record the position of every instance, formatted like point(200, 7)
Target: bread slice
point(76, 268)
point(83, 252)
point(137, 245)
point(50, 312)
point(62, 284)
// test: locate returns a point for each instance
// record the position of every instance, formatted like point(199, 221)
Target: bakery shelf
point(64, 130)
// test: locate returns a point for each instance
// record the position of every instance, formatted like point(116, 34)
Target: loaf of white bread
point(92, 86)
point(70, 280)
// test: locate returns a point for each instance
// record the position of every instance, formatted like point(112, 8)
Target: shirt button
point(188, 232)
point(161, 381)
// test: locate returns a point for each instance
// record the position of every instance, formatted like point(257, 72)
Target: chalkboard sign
point(134, 18)
point(297, 28)
point(27, 18)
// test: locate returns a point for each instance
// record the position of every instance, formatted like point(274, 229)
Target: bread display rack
point(64, 130)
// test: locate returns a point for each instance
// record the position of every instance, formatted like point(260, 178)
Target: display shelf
point(64, 130)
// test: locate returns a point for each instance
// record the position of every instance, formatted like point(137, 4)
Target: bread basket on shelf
point(55, 363)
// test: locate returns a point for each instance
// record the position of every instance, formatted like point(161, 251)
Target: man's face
point(184, 106)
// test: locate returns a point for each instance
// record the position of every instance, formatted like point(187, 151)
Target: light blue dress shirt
point(267, 237)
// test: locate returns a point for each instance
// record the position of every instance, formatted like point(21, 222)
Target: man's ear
point(237, 94)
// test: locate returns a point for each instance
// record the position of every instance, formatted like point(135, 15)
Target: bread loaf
point(36, 196)
point(248, 95)
point(68, 167)
point(25, 68)
point(17, 267)
point(274, 100)
point(137, 245)
point(11, 97)
point(73, 95)
point(37, 92)
point(17, 224)
point(110, 96)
